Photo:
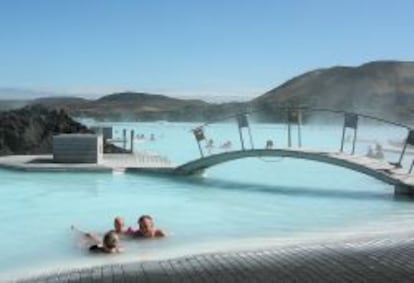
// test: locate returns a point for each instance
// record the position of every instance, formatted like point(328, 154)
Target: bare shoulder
point(160, 233)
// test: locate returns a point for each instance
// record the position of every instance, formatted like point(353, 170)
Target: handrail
point(308, 109)
point(294, 116)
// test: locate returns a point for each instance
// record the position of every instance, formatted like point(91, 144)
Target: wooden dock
point(110, 162)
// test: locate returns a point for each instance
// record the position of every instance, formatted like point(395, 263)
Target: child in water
point(108, 244)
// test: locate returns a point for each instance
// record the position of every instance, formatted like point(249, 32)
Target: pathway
point(379, 259)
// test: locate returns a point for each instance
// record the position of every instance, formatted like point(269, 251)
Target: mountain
point(11, 104)
point(23, 94)
point(383, 88)
point(132, 106)
point(15, 98)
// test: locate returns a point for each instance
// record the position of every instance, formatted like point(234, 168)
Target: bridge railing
point(295, 119)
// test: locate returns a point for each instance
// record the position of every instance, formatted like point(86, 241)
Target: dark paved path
point(385, 259)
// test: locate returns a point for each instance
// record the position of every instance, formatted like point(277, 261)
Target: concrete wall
point(77, 148)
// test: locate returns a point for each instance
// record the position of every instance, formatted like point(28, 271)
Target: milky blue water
point(237, 202)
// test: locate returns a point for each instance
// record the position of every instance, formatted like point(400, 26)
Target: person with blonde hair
point(109, 243)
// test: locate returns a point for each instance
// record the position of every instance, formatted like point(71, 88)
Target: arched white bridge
point(388, 172)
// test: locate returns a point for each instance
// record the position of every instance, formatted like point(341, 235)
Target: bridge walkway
point(379, 169)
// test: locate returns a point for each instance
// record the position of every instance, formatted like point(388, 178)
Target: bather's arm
point(96, 239)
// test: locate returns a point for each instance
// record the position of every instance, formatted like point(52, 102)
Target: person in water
point(146, 229)
point(370, 152)
point(119, 225)
point(108, 244)
point(379, 154)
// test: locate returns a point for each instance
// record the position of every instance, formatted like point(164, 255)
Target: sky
point(239, 48)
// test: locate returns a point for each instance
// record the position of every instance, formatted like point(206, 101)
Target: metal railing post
point(132, 141)
point(289, 129)
point(241, 138)
point(343, 138)
point(243, 122)
point(200, 149)
point(354, 140)
point(402, 153)
point(251, 137)
point(124, 133)
point(299, 129)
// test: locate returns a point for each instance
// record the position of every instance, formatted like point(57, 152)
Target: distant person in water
point(370, 152)
point(146, 229)
point(108, 244)
point(210, 145)
point(119, 226)
point(226, 146)
point(379, 154)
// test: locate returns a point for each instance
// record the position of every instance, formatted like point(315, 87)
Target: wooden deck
point(109, 162)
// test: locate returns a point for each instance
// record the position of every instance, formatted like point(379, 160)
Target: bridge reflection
point(305, 191)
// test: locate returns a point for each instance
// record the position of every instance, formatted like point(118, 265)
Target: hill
point(132, 106)
point(11, 104)
point(383, 89)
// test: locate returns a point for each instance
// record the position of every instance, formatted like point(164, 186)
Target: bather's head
point(146, 224)
point(118, 224)
point(111, 240)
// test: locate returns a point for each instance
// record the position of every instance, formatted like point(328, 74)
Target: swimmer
point(370, 152)
point(119, 225)
point(226, 145)
point(147, 228)
point(379, 154)
point(108, 244)
point(210, 145)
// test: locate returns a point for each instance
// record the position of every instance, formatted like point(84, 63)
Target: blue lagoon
point(249, 203)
